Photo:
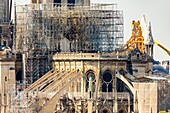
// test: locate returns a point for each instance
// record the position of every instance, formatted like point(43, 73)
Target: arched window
point(90, 74)
point(122, 110)
point(105, 110)
point(107, 82)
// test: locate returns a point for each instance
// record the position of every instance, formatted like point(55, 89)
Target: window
point(57, 2)
point(71, 3)
point(138, 55)
point(107, 82)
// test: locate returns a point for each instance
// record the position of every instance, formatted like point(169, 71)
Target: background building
point(166, 65)
point(64, 2)
point(4, 10)
point(6, 27)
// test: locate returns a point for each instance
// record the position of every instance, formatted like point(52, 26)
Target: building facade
point(92, 83)
point(64, 2)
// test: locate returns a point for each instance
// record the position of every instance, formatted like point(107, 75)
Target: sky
point(155, 11)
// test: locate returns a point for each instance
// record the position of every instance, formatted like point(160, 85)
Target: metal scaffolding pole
point(43, 29)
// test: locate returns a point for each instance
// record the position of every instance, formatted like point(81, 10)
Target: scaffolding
point(163, 96)
point(17, 103)
point(44, 29)
point(4, 10)
point(1, 10)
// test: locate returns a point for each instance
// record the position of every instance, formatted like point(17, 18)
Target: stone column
point(75, 86)
point(152, 51)
point(128, 103)
point(90, 96)
point(97, 84)
point(90, 106)
point(82, 80)
point(82, 86)
point(115, 109)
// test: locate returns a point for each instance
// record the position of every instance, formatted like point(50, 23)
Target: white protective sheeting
point(146, 31)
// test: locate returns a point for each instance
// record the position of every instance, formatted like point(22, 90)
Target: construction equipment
point(136, 40)
point(162, 47)
point(48, 29)
point(139, 37)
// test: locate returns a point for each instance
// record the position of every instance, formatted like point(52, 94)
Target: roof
point(160, 69)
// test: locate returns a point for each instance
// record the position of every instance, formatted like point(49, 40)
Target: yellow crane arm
point(161, 46)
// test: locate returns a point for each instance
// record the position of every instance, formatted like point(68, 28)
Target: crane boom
point(136, 40)
point(161, 46)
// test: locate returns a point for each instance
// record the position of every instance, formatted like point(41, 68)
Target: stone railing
point(104, 95)
point(91, 56)
point(111, 95)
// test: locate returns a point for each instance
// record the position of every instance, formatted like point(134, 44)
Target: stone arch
point(107, 68)
point(87, 68)
point(122, 71)
point(105, 110)
point(122, 110)
point(130, 87)
point(90, 73)
point(124, 80)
